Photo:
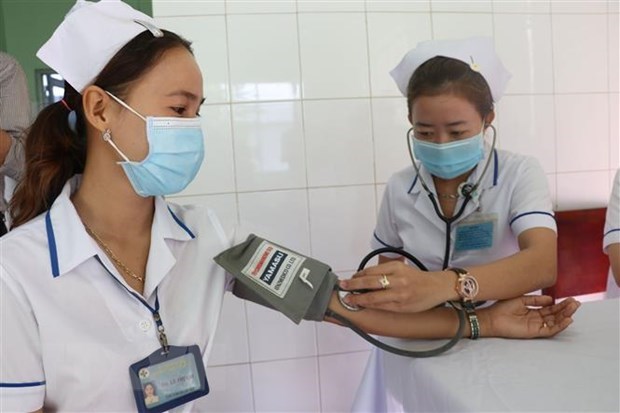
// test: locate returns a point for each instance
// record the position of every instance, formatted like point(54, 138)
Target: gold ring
point(385, 283)
point(545, 324)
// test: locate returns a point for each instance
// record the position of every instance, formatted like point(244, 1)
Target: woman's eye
point(178, 110)
point(457, 134)
point(424, 134)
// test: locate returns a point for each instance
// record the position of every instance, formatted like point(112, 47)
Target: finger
point(537, 300)
point(371, 299)
point(363, 283)
point(385, 268)
point(551, 330)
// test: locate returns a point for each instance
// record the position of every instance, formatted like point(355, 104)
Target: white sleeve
point(386, 231)
point(531, 206)
point(611, 233)
point(22, 380)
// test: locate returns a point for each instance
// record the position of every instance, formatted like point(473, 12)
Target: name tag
point(475, 233)
point(165, 380)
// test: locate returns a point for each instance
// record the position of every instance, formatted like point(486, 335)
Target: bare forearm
point(529, 270)
point(441, 322)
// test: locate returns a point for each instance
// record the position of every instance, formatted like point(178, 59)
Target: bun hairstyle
point(54, 149)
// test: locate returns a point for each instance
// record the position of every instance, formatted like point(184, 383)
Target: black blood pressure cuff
point(299, 287)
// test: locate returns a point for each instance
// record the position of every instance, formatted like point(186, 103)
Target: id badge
point(475, 233)
point(163, 381)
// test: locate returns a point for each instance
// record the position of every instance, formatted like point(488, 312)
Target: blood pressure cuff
point(266, 273)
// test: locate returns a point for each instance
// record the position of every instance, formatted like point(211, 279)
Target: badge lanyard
point(168, 377)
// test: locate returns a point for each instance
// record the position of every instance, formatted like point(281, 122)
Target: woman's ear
point(489, 118)
point(97, 107)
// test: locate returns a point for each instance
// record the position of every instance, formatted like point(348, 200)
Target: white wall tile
point(340, 376)
point(379, 191)
point(480, 6)
point(579, 6)
point(208, 37)
point(454, 26)
point(613, 48)
point(583, 190)
point(521, 6)
point(338, 142)
point(231, 338)
point(217, 174)
point(333, 339)
point(345, 214)
point(273, 336)
point(304, 6)
point(334, 55)
point(390, 36)
point(390, 127)
point(230, 390)
point(163, 8)
point(398, 5)
point(580, 62)
point(582, 126)
point(523, 43)
point(274, 215)
point(262, 6)
point(527, 126)
point(268, 144)
point(264, 57)
point(613, 6)
point(614, 131)
point(286, 386)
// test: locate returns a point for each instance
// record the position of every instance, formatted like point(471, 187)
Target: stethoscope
point(466, 190)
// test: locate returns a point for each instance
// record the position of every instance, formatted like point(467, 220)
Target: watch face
point(468, 287)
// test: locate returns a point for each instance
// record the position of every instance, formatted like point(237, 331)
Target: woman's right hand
point(528, 316)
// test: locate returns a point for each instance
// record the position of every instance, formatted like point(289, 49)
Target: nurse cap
point(89, 36)
point(477, 52)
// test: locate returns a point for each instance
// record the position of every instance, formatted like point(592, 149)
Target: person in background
point(611, 239)
point(15, 117)
point(479, 218)
point(103, 282)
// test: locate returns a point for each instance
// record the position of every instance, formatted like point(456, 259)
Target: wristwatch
point(466, 285)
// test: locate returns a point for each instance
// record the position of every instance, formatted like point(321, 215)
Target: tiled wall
point(304, 126)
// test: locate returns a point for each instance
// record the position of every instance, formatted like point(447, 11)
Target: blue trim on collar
point(530, 213)
point(181, 224)
point(383, 243)
point(413, 184)
point(30, 384)
point(495, 166)
point(51, 242)
point(610, 231)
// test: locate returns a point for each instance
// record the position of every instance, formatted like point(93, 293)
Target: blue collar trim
point(181, 224)
point(51, 242)
point(27, 384)
point(495, 167)
point(413, 184)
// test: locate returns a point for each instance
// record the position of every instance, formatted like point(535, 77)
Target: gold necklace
point(110, 254)
point(448, 196)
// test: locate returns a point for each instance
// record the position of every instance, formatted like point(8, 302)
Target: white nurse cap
point(89, 36)
point(477, 52)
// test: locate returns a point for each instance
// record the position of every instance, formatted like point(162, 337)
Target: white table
point(578, 370)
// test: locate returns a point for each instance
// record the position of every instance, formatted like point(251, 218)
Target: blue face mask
point(176, 151)
point(449, 160)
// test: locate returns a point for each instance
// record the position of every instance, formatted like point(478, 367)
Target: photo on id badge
point(476, 232)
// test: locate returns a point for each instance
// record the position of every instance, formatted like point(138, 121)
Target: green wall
point(27, 24)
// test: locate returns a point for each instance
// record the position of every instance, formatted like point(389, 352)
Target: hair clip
point(155, 31)
point(473, 65)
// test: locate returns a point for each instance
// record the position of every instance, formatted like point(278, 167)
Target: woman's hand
point(515, 318)
point(407, 289)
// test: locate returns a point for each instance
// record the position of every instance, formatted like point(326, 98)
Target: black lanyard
point(161, 332)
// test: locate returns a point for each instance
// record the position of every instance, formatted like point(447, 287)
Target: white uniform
point(70, 330)
point(611, 233)
point(513, 197)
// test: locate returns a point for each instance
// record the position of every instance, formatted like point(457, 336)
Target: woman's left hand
point(396, 286)
point(516, 318)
